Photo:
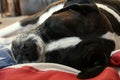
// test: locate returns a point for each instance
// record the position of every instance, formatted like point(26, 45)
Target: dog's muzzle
point(28, 48)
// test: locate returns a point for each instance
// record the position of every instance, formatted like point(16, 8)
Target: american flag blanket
point(50, 71)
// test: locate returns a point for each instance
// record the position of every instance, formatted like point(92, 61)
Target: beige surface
point(6, 21)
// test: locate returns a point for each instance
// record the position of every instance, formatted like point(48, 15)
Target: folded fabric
point(108, 74)
point(50, 71)
point(38, 71)
point(6, 58)
point(115, 58)
point(29, 73)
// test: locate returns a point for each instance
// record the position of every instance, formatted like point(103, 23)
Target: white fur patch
point(47, 14)
point(106, 8)
point(10, 29)
point(114, 37)
point(62, 43)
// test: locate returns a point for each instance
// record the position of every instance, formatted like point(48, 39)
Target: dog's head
point(73, 36)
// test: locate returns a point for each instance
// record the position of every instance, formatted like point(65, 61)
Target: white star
point(1, 58)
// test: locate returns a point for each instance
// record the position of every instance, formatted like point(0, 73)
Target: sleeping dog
point(81, 35)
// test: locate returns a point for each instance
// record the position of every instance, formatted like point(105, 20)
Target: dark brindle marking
point(81, 35)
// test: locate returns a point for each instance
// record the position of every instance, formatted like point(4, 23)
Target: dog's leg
point(34, 20)
point(10, 29)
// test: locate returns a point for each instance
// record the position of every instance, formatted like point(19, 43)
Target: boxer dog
point(81, 35)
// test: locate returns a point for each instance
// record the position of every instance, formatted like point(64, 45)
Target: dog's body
point(82, 35)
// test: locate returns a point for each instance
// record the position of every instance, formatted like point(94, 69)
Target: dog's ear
point(80, 6)
point(71, 2)
point(96, 54)
point(95, 64)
